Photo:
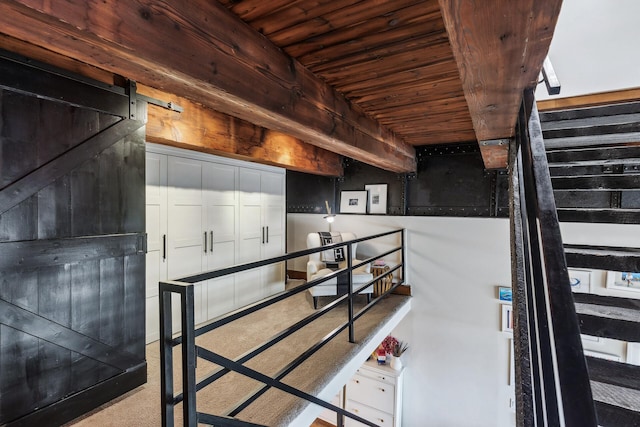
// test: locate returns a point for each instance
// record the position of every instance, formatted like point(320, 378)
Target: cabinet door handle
point(164, 246)
point(267, 234)
point(263, 235)
point(211, 236)
point(205, 242)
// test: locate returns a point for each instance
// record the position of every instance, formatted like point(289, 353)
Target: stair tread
point(599, 215)
point(618, 313)
point(608, 301)
point(613, 372)
point(615, 395)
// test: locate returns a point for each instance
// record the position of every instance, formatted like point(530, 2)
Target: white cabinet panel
point(206, 213)
point(375, 393)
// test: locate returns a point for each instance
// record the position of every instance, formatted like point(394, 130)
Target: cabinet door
point(186, 237)
point(273, 219)
point(249, 286)
point(221, 199)
point(156, 228)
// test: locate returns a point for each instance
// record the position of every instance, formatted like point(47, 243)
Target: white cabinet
point(204, 213)
point(261, 228)
point(375, 394)
point(328, 415)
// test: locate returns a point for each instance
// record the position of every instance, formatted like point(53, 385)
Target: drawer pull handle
point(381, 420)
point(381, 389)
point(357, 382)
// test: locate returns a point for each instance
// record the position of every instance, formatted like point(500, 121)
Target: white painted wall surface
point(594, 47)
point(458, 360)
point(458, 363)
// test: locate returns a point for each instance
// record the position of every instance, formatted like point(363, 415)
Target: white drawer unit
point(375, 394)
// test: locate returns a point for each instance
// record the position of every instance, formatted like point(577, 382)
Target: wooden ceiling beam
point(201, 51)
point(202, 129)
point(499, 47)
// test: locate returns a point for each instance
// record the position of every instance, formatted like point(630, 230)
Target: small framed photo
point(377, 198)
point(505, 294)
point(580, 280)
point(623, 281)
point(507, 318)
point(353, 202)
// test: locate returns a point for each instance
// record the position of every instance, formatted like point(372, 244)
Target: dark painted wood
point(581, 113)
point(598, 155)
point(615, 416)
point(597, 183)
point(616, 373)
point(40, 327)
point(597, 326)
point(72, 292)
point(40, 253)
point(613, 216)
point(40, 178)
point(608, 301)
point(31, 80)
point(71, 406)
point(603, 257)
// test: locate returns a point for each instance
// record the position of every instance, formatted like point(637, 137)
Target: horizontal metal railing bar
point(182, 285)
point(311, 350)
point(220, 421)
point(261, 263)
point(271, 382)
point(244, 311)
point(219, 373)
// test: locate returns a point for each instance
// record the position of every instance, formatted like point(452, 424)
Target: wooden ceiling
point(367, 79)
point(391, 58)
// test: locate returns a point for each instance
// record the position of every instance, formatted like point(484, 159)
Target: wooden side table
point(381, 285)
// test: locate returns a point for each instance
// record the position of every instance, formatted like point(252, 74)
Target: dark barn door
point(71, 244)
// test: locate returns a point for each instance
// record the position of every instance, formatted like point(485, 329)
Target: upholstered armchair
point(317, 268)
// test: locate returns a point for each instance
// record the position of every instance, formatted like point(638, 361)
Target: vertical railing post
point(402, 255)
point(188, 357)
point(166, 358)
point(352, 338)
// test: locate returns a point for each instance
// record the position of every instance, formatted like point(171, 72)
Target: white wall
point(458, 360)
point(594, 47)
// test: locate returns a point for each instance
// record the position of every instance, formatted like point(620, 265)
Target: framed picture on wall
point(580, 280)
point(507, 318)
point(623, 281)
point(376, 198)
point(353, 202)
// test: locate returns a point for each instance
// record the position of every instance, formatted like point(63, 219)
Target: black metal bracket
point(164, 104)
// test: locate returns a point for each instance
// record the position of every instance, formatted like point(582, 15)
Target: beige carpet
point(141, 407)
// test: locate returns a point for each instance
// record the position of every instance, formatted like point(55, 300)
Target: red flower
point(389, 343)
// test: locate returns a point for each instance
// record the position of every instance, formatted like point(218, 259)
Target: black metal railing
point(184, 287)
point(552, 386)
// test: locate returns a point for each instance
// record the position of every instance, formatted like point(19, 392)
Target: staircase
point(594, 163)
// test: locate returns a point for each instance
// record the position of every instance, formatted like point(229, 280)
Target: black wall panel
point(450, 181)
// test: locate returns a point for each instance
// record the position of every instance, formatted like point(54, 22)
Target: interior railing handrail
point(554, 383)
point(190, 351)
point(213, 274)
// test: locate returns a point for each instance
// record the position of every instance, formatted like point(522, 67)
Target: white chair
point(317, 268)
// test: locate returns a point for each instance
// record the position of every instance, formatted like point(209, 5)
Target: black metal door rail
point(552, 385)
point(190, 351)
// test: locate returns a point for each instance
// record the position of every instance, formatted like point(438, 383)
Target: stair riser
point(603, 262)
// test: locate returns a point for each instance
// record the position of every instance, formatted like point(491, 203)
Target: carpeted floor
point(141, 407)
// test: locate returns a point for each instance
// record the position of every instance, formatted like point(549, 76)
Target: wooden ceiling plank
point(498, 56)
point(202, 129)
point(388, 28)
point(199, 50)
point(249, 10)
point(351, 14)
